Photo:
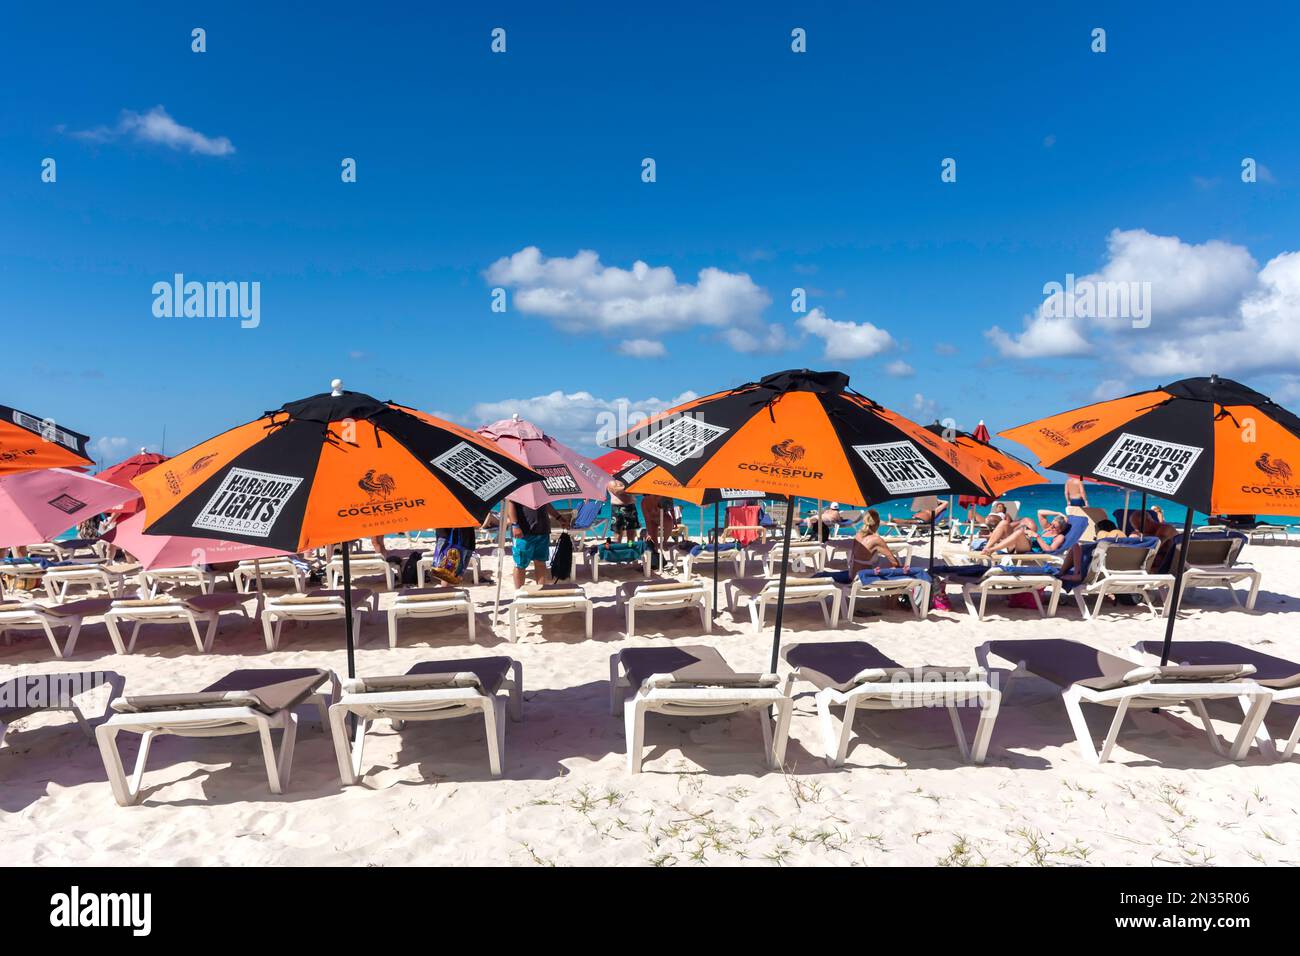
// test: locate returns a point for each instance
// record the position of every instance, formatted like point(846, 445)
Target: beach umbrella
point(178, 551)
point(564, 474)
point(615, 460)
point(41, 505)
point(641, 476)
point(1209, 444)
point(121, 474)
point(28, 443)
point(801, 432)
point(326, 470)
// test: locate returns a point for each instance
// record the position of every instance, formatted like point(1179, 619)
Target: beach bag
point(410, 571)
point(561, 567)
point(451, 554)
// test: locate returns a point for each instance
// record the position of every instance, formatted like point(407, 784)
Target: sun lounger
point(26, 614)
point(755, 594)
point(1279, 676)
point(1116, 568)
point(549, 599)
point(196, 577)
point(246, 573)
point(432, 690)
point(594, 560)
point(1086, 675)
point(692, 681)
point(665, 595)
point(74, 549)
point(1271, 532)
point(254, 701)
point(871, 583)
point(1212, 563)
point(810, 556)
point(361, 565)
point(853, 674)
point(319, 605)
point(31, 693)
point(18, 574)
point(61, 578)
point(205, 608)
point(425, 603)
point(703, 563)
point(1005, 580)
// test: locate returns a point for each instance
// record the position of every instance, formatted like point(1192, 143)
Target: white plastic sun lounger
point(424, 603)
point(1269, 532)
point(361, 565)
point(1122, 569)
point(1086, 675)
point(1212, 563)
point(692, 681)
point(155, 578)
point(246, 573)
point(756, 594)
point(549, 599)
point(853, 674)
point(1003, 581)
point(917, 591)
point(808, 556)
point(318, 605)
point(32, 693)
point(1279, 676)
point(664, 595)
point(432, 690)
point(200, 608)
point(111, 579)
point(254, 701)
point(29, 614)
point(593, 561)
point(702, 563)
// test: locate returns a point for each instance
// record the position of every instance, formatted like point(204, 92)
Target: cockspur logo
point(198, 465)
point(1279, 476)
point(380, 489)
point(786, 454)
point(1083, 424)
point(787, 451)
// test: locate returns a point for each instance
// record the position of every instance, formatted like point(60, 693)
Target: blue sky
point(774, 170)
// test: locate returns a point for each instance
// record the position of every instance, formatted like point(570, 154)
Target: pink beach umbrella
point(41, 505)
point(565, 473)
point(174, 551)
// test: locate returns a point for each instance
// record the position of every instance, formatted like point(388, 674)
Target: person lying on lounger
point(925, 515)
point(996, 515)
point(1021, 536)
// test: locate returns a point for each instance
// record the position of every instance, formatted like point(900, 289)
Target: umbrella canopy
point(122, 473)
point(28, 443)
point(1210, 444)
point(998, 470)
point(615, 460)
point(644, 477)
point(565, 473)
point(40, 505)
point(175, 551)
point(326, 469)
point(801, 432)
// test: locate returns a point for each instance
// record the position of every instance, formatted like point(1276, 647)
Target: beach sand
point(705, 796)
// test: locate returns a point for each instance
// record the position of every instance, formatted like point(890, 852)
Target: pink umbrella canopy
point(41, 505)
point(566, 474)
point(174, 551)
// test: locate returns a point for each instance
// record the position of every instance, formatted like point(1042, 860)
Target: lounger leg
point(199, 641)
point(836, 599)
point(782, 733)
point(634, 725)
point(517, 692)
point(826, 611)
point(631, 619)
point(1113, 733)
point(958, 731)
point(984, 603)
point(587, 608)
point(54, 641)
point(277, 771)
point(392, 628)
point(1074, 710)
point(1202, 712)
point(496, 730)
point(836, 743)
point(514, 623)
point(349, 758)
point(135, 635)
point(1254, 591)
point(1055, 601)
point(270, 630)
point(1250, 726)
point(615, 690)
point(114, 634)
point(125, 791)
point(469, 622)
point(1291, 741)
point(1038, 601)
point(989, 707)
point(1082, 601)
point(921, 600)
point(853, 601)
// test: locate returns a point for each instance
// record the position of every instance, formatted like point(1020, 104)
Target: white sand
point(566, 798)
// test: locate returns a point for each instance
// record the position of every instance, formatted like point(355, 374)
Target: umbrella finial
point(336, 388)
point(514, 417)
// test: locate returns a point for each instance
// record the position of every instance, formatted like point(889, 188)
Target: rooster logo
point(1278, 471)
point(377, 486)
point(1083, 424)
point(787, 451)
point(996, 466)
point(201, 463)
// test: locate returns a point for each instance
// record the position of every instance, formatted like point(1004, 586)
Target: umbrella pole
point(931, 564)
point(347, 609)
point(780, 589)
point(1178, 588)
point(1143, 510)
point(501, 562)
point(1124, 524)
point(717, 556)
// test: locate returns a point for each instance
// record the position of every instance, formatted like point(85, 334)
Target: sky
point(781, 180)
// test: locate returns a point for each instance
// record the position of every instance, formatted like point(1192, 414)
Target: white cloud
point(158, 127)
point(924, 409)
point(108, 449)
point(946, 348)
point(1195, 290)
point(846, 340)
point(899, 369)
point(1109, 388)
point(771, 339)
point(578, 419)
point(580, 294)
point(642, 348)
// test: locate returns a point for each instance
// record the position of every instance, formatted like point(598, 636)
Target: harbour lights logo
point(558, 480)
point(901, 467)
point(46, 428)
point(639, 470)
point(247, 503)
point(680, 439)
point(67, 504)
point(1153, 464)
point(473, 469)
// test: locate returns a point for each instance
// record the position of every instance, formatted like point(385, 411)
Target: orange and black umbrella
point(1000, 471)
point(326, 469)
point(801, 432)
point(1209, 444)
point(28, 443)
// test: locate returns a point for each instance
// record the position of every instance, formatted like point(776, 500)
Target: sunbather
point(869, 545)
point(1021, 536)
point(925, 515)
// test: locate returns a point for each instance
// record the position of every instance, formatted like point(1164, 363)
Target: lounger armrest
point(1203, 672)
point(148, 602)
point(307, 599)
point(365, 685)
point(932, 673)
point(151, 703)
point(720, 680)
